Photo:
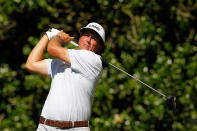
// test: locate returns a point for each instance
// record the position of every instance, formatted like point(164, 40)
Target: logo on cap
point(94, 26)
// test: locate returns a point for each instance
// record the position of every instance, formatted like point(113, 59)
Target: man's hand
point(51, 33)
point(64, 37)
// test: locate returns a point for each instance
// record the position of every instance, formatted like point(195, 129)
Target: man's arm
point(56, 50)
point(35, 62)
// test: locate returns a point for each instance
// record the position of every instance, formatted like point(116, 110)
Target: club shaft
point(138, 80)
point(75, 44)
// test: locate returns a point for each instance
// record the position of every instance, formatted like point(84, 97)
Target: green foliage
point(153, 40)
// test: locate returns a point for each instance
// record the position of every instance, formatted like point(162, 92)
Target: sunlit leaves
point(153, 40)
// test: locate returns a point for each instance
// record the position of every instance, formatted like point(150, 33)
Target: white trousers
point(42, 127)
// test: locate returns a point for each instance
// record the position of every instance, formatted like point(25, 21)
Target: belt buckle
point(56, 124)
point(73, 124)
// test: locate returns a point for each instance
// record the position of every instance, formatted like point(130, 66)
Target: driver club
point(171, 100)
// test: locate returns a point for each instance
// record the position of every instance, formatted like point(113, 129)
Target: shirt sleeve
point(55, 66)
point(85, 62)
point(48, 63)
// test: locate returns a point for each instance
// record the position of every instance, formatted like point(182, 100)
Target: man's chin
point(84, 48)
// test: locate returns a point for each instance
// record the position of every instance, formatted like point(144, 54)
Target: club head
point(171, 102)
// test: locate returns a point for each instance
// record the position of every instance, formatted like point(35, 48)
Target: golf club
point(171, 101)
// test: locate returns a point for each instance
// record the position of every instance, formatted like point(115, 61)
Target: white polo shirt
point(72, 87)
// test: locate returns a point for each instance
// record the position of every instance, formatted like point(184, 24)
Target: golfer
point(74, 75)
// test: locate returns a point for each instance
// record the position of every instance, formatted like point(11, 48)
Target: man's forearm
point(38, 51)
point(56, 50)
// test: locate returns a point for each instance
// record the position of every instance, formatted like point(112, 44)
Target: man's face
point(89, 40)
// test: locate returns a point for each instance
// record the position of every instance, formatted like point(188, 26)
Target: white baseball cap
point(95, 27)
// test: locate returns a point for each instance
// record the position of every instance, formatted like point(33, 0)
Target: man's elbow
point(51, 50)
point(28, 66)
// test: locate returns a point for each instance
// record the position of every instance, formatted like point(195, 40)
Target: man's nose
point(89, 38)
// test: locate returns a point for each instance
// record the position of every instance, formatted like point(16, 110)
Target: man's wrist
point(59, 39)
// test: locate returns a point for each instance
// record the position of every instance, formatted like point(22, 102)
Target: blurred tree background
point(154, 40)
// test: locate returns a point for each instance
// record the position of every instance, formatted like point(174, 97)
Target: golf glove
point(52, 33)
